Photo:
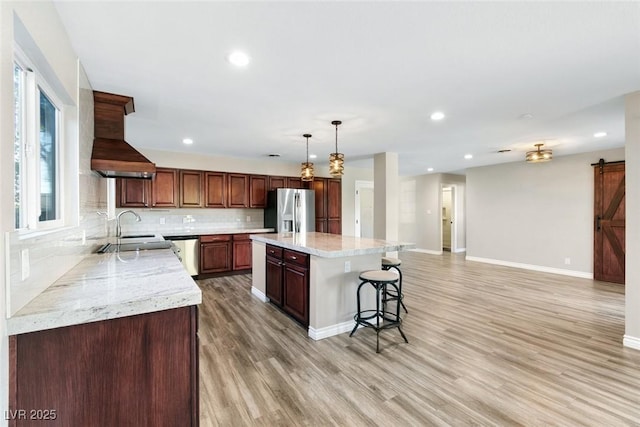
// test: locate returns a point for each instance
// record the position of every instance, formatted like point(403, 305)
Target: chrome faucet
point(118, 229)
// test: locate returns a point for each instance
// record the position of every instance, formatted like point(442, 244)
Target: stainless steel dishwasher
point(188, 251)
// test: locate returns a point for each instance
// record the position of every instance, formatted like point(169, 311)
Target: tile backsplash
point(172, 221)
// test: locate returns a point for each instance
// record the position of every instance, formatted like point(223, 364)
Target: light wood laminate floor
point(488, 345)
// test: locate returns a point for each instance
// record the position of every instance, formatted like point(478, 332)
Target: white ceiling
point(380, 67)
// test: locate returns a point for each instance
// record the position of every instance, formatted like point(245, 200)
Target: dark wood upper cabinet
point(276, 182)
point(215, 189)
point(161, 192)
point(334, 199)
point(257, 191)
point(133, 193)
point(238, 190)
point(164, 188)
point(319, 185)
point(296, 182)
point(191, 189)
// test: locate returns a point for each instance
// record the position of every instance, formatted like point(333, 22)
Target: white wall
point(632, 182)
point(536, 215)
point(420, 201)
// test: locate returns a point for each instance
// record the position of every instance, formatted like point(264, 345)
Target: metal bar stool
point(378, 319)
point(391, 294)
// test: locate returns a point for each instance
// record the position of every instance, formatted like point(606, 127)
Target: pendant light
point(306, 170)
point(336, 160)
point(538, 155)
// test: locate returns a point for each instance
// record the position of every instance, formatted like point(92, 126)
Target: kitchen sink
point(127, 247)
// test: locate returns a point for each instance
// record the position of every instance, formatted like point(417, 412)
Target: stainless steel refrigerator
point(291, 210)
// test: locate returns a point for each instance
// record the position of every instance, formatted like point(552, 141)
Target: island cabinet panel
point(287, 281)
point(257, 191)
point(164, 188)
point(238, 190)
point(274, 269)
point(242, 252)
point(132, 371)
point(191, 189)
point(296, 292)
point(215, 253)
point(215, 189)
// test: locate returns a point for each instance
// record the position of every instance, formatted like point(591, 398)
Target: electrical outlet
point(347, 266)
point(24, 262)
point(567, 261)
point(162, 221)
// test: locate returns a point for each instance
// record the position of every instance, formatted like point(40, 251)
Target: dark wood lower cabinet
point(131, 371)
point(287, 282)
point(296, 292)
point(242, 252)
point(215, 253)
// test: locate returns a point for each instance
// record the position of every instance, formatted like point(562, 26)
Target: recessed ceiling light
point(239, 59)
point(600, 134)
point(187, 141)
point(429, 169)
point(468, 156)
point(438, 115)
point(273, 155)
point(504, 150)
point(312, 156)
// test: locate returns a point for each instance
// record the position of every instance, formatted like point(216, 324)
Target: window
point(37, 150)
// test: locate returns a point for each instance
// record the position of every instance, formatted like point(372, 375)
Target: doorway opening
point(364, 209)
point(448, 215)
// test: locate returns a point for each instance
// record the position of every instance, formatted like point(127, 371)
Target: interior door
point(609, 222)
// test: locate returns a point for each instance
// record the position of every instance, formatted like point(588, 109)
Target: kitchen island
point(333, 265)
point(112, 342)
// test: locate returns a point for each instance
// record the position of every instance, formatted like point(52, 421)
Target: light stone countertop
point(331, 245)
point(205, 231)
point(108, 286)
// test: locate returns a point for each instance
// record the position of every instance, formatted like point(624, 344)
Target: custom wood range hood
point(112, 156)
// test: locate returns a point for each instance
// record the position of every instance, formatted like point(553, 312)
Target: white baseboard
point(329, 331)
point(259, 294)
point(459, 250)
point(541, 268)
point(631, 342)
point(427, 251)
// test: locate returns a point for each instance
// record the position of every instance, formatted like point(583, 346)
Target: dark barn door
point(609, 222)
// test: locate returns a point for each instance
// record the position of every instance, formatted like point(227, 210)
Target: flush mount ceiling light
point(539, 155)
point(239, 59)
point(187, 141)
point(600, 134)
point(336, 160)
point(438, 115)
point(306, 170)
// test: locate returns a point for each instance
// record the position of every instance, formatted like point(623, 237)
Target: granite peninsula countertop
point(108, 286)
point(331, 245)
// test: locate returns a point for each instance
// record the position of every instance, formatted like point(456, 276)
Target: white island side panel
point(332, 293)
